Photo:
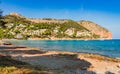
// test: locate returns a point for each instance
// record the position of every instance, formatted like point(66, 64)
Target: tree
point(2, 23)
point(1, 13)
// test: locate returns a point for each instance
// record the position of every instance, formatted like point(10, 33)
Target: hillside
point(20, 27)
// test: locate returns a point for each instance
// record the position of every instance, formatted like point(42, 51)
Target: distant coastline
point(55, 39)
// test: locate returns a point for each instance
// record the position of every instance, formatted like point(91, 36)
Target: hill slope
point(20, 27)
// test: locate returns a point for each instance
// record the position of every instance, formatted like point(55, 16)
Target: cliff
point(97, 29)
point(20, 27)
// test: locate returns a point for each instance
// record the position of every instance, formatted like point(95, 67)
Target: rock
point(90, 68)
point(118, 66)
point(5, 42)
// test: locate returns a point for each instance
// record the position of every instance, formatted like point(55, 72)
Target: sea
point(110, 48)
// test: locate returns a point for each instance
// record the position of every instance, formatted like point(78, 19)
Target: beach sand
point(63, 62)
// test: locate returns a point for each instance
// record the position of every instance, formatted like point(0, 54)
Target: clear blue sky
point(103, 12)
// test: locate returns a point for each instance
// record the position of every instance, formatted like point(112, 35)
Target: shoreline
point(60, 61)
point(8, 41)
point(39, 49)
point(57, 39)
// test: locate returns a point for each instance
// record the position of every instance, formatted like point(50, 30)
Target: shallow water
point(109, 48)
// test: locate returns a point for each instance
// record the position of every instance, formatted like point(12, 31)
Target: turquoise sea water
point(109, 48)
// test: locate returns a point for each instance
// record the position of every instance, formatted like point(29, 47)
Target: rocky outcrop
point(96, 29)
point(16, 14)
point(70, 31)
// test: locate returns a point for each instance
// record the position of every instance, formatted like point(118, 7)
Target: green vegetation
point(47, 32)
point(43, 26)
point(47, 19)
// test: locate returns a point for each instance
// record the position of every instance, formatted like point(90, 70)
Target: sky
point(103, 12)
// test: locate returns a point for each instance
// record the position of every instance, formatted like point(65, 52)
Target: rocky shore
point(57, 62)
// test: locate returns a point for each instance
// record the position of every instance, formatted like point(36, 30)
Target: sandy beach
point(58, 62)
